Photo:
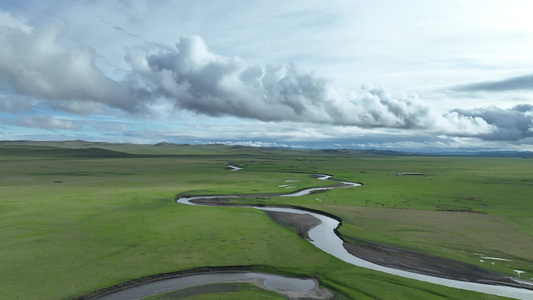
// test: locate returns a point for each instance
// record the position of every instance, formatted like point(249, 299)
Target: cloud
point(509, 124)
point(15, 104)
point(7, 19)
point(121, 30)
point(511, 84)
point(35, 62)
point(198, 80)
point(46, 122)
point(249, 143)
point(38, 64)
point(195, 79)
point(458, 123)
point(79, 107)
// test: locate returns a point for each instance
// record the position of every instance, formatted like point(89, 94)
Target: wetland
point(113, 218)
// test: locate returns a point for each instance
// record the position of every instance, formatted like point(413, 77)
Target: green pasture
point(458, 207)
point(77, 217)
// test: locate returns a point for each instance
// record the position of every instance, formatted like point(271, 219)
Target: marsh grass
point(76, 221)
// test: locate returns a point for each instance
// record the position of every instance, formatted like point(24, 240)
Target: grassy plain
point(458, 208)
point(76, 217)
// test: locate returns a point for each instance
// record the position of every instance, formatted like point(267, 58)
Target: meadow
point(76, 217)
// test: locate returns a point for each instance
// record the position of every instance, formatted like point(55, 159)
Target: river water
point(324, 238)
point(272, 282)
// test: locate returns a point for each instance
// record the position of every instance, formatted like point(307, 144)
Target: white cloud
point(15, 104)
point(37, 63)
point(46, 122)
point(201, 81)
point(19, 23)
point(508, 124)
point(198, 80)
point(247, 76)
point(249, 143)
point(455, 123)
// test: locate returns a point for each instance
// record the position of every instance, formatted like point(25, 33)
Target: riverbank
point(398, 258)
point(426, 264)
point(387, 256)
point(202, 279)
point(382, 255)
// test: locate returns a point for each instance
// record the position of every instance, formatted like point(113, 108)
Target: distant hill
point(36, 150)
point(365, 152)
point(522, 154)
point(80, 148)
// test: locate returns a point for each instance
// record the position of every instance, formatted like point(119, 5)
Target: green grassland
point(76, 216)
point(459, 206)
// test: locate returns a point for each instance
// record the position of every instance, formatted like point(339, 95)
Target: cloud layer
point(37, 66)
point(196, 79)
point(509, 124)
point(35, 62)
point(510, 84)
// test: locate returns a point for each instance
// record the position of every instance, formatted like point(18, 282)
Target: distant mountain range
point(104, 149)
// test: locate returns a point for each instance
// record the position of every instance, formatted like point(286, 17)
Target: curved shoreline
point(502, 286)
point(383, 255)
point(292, 287)
point(334, 245)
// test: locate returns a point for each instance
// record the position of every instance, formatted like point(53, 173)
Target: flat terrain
point(76, 217)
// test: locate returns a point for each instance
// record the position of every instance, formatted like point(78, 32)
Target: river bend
point(323, 236)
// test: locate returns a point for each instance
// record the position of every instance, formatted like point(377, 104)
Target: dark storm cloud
point(510, 124)
point(511, 84)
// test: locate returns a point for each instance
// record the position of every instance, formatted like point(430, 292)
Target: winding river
point(289, 286)
point(323, 237)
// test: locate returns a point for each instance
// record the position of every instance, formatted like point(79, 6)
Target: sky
point(414, 75)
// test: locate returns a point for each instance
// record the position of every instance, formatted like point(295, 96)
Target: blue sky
point(412, 75)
